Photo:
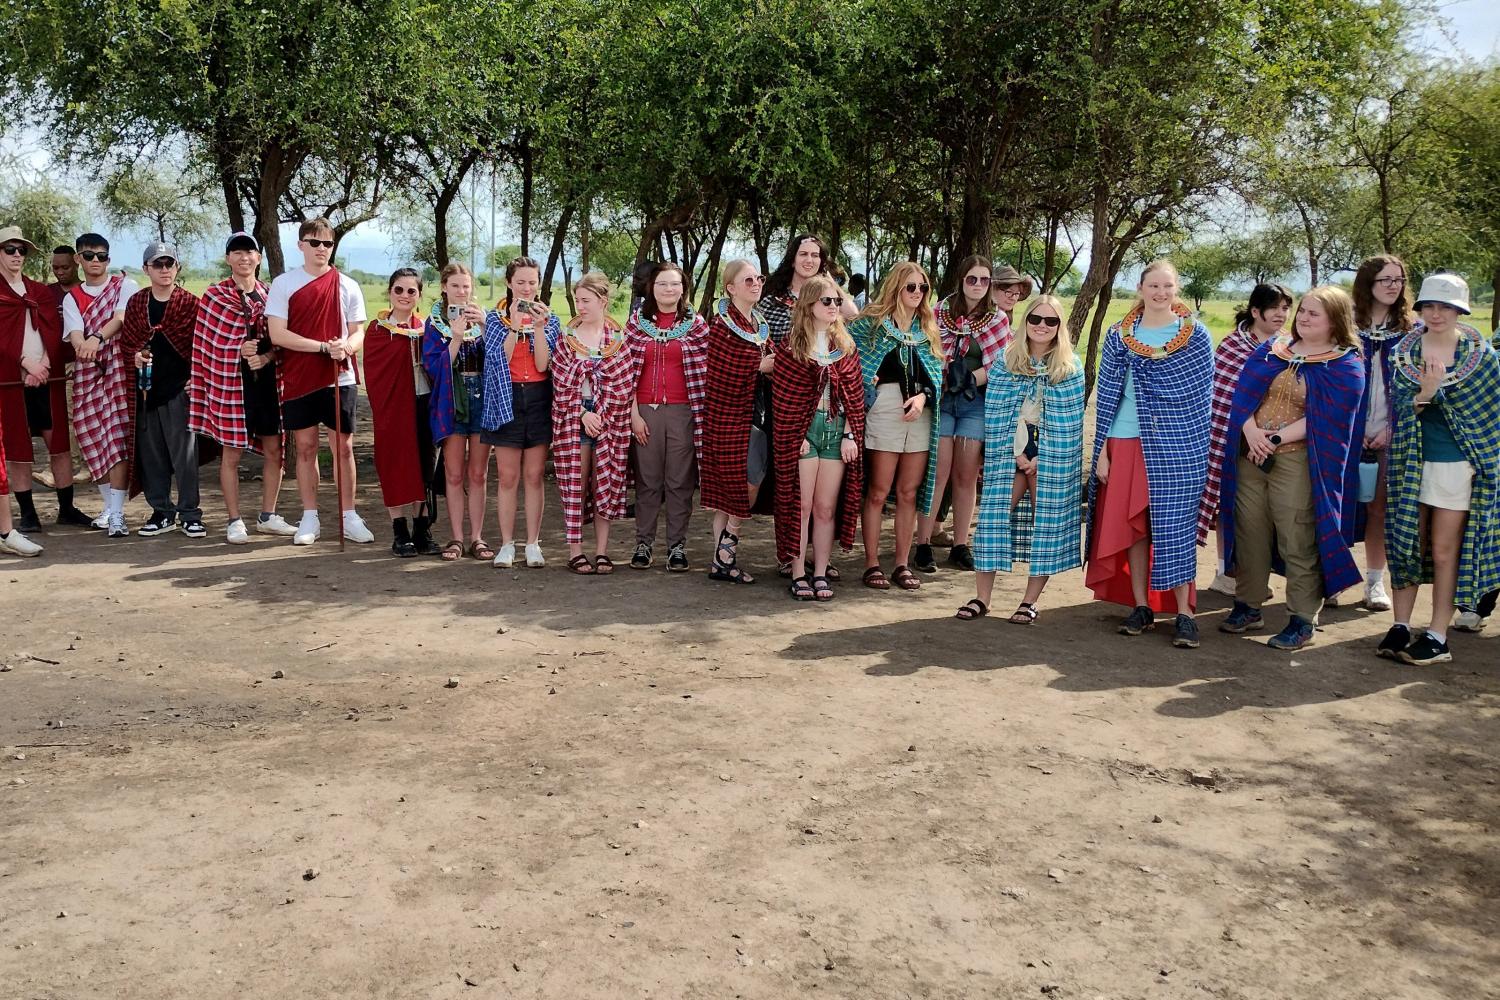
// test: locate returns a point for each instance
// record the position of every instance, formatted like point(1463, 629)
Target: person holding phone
point(453, 357)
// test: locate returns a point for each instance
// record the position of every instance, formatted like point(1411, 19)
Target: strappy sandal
point(833, 574)
point(875, 579)
point(822, 589)
point(603, 566)
point(801, 590)
point(904, 578)
point(727, 570)
point(975, 608)
point(453, 551)
point(480, 549)
point(1025, 615)
point(581, 565)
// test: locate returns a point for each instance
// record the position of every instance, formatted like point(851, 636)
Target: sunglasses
point(327, 244)
point(162, 263)
point(912, 286)
point(755, 279)
point(1050, 322)
point(398, 290)
point(831, 300)
point(976, 280)
point(14, 249)
point(1390, 282)
point(94, 254)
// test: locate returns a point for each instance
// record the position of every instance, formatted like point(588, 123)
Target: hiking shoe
point(29, 522)
point(642, 557)
point(1185, 635)
point(1138, 621)
point(942, 538)
point(275, 525)
point(962, 557)
point(18, 544)
point(1376, 599)
point(506, 557)
point(307, 530)
point(74, 518)
point(923, 560)
point(117, 527)
point(1469, 621)
point(159, 524)
point(1427, 650)
point(677, 560)
point(1298, 633)
point(1242, 618)
point(1397, 639)
point(100, 523)
point(235, 533)
point(194, 529)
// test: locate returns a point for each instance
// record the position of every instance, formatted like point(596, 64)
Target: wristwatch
point(1274, 439)
point(848, 436)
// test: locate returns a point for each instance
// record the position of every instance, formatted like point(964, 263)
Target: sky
point(1472, 25)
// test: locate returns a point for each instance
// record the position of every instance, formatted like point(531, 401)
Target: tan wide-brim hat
point(1446, 289)
point(12, 234)
point(1007, 275)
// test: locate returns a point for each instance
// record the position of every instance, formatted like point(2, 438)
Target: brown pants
point(1276, 509)
point(666, 469)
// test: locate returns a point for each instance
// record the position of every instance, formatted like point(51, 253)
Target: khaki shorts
point(886, 431)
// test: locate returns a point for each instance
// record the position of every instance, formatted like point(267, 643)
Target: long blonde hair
point(1339, 307)
point(1160, 264)
point(885, 304)
point(1061, 361)
point(598, 283)
point(800, 340)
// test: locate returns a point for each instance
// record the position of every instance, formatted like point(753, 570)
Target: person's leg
point(342, 447)
point(477, 480)
point(1254, 533)
point(968, 457)
point(1290, 499)
point(909, 472)
point(182, 450)
point(20, 476)
point(945, 465)
point(455, 462)
point(305, 440)
point(272, 469)
point(650, 474)
point(507, 489)
point(585, 491)
point(1375, 525)
point(533, 466)
point(1034, 587)
point(229, 482)
point(807, 484)
point(825, 511)
point(1404, 599)
point(681, 472)
point(1138, 558)
point(881, 473)
point(984, 587)
point(1445, 541)
point(153, 452)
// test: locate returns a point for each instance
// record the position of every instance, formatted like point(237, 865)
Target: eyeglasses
point(1390, 282)
point(328, 244)
point(977, 280)
point(162, 263)
point(94, 254)
point(1008, 289)
point(1050, 322)
point(754, 279)
point(912, 286)
point(15, 249)
point(398, 290)
point(831, 300)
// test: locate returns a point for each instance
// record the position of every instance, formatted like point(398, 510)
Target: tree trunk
point(555, 254)
point(528, 193)
point(1096, 337)
point(1096, 283)
point(1310, 237)
point(1049, 266)
point(568, 287)
point(440, 225)
point(585, 235)
point(711, 270)
point(974, 230)
point(277, 168)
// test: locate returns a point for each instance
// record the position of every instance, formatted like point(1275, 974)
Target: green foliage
point(159, 199)
point(48, 217)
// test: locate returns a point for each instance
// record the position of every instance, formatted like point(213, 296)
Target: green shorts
point(825, 436)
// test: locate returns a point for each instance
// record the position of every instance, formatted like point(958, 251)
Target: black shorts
point(317, 408)
point(531, 423)
point(262, 408)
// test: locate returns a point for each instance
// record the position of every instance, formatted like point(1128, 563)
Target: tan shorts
point(1447, 485)
point(886, 431)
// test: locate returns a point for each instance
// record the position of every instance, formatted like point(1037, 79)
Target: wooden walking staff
point(338, 456)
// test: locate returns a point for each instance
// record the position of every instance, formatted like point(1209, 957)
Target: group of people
point(1287, 443)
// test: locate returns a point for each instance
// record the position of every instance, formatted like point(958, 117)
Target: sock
point(1221, 567)
point(1405, 625)
point(398, 528)
point(350, 513)
point(28, 505)
point(64, 498)
point(1439, 636)
point(309, 513)
point(104, 494)
point(117, 501)
point(266, 515)
point(1373, 576)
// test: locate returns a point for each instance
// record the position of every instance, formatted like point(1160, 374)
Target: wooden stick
point(338, 452)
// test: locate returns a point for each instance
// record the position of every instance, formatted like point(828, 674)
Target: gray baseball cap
point(156, 250)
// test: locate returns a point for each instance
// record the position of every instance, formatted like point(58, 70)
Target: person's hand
point(1101, 467)
point(256, 362)
point(249, 349)
point(1432, 380)
point(806, 447)
point(1379, 441)
point(338, 349)
point(474, 314)
point(767, 363)
point(87, 348)
point(848, 451)
point(981, 377)
point(593, 424)
point(914, 407)
point(639, 429)
point(1257, 442)
point(540, 313)
point(142, 359)
point(35, 371)
point(1025, 464)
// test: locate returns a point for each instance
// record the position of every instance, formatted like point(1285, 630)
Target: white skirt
point(1447, 485)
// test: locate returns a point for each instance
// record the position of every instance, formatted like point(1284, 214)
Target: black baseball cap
point(241, 241)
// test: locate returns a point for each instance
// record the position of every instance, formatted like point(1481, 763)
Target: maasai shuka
point(1056, 513)
point(992, 330)
point(1172, 400)
point(733, 374)
point(100, 421)
point(795, 392)
point(613, 381)
point(227, 318)
point(499, 402)
point(875, 342)
point(38, 303)
point(694, 365)
point(176, 326)
point(1335, 384)
point(314, 311)
point(391, 384)
point(1471, 405)
point(1229, 359)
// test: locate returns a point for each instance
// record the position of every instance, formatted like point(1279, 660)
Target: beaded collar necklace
point(1132, 322)
point(611, 339)
point(905, 337)
point(1468, 353)
point(762, 335)
point(656, 333)
point(384, 321)
point(1282, 348)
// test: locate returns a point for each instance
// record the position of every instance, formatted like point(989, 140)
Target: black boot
point(402, 544)
point(421, 537)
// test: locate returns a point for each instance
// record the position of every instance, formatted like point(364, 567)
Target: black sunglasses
point(15, 249)
point(163, 262)
point(912, 286)
point(977, 280)
point(94, 254)
point(832, 300)
point(398, 290)
point(318, 243)
point(1050, 322)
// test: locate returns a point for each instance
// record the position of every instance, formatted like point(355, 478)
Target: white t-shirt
point(31, 341)
point(351, 301)
point(73, 316)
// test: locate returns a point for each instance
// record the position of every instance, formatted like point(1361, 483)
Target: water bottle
point(146, 376)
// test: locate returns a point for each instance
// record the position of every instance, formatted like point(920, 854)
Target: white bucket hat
point(1445, 288)
point(12, 234)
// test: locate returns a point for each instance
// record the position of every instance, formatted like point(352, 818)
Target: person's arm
point(289, 341)
point(541, 346)
point(1294, 431)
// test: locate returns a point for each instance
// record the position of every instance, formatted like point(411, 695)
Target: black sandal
point(603, 566)
point(834, 576)
point(581, 565)
point(801, 590)
point(975, 608)
point(727, 570)
point(904, 578)
point(822, 589)
point(1025, 615)
point(875, 579)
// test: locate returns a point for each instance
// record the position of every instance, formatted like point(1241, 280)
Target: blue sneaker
point(1243, 618)
point(1298, 633)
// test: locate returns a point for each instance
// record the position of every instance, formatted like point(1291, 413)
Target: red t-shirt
point(662, 377)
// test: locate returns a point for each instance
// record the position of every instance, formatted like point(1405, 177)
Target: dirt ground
point(654, 786)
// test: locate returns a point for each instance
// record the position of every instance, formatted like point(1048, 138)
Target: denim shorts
point(583, 435)
point(473, 387)
point(962, 417)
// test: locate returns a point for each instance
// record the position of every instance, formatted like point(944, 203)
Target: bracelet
point(323, 347)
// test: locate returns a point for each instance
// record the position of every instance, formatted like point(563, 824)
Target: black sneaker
point(1185, 636)
point(1396, 640)
point(28, 524)
point(1427, 650)
point(194, 529)
point(923, 559)
point(677, 560)
point(159, 524)
point(1242, 618)
point(961, 557)
point(642, 557)
point(74, 518)
point(1138, 621)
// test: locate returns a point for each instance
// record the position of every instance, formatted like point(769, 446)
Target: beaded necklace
point(611, 339)
point(1467, 356)
point(1282, 348)
point(1132, 322)
point(656, 333)
point(761, 338)
point(384, 321)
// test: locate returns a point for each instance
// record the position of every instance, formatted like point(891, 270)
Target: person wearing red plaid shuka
point(233, 398)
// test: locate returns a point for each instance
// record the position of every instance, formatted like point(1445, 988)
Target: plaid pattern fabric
point(1472, 409)
point(1334, 390)
point(874, 344)
point(777, 311)
point(135, 335)
point(1229, 359)
point(733, 374)
point(1172, 399)
point(216, 389)
point(992, 330)
point(613, 380)
point(499, 399)
point(1054, 544)
point(694, 367)
point(100, 421)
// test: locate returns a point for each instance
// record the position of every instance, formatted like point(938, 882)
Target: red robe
point(733, 375)
point(46, 317)
point(796, 388)
point(226, 319)
point(392, 388)
point(314, 311)
point(613, 379)
point(177, 326)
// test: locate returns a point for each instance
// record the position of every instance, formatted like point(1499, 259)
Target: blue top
point(1127, 423)
point(1438, 443)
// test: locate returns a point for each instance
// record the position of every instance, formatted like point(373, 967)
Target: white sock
point(309, 514)
point(1221, 567)
point(1405, 625)
point(350, 513)
point(117, 501)
point(1373, 576)
point(104, 494)
point(1439, 636)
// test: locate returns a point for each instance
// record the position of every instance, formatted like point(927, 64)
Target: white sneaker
point(1376, 599)
point(1469, 621)
point(506, 557)
point(275, 525)
point(355, 529)
point(1223, 584)
point(117, 527)
point(18, 544)
point(235, 533)
point(534, 555)
point(100, 523)
point(308, 530)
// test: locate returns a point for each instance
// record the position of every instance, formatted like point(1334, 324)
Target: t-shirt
point(351, 302)
point(73, 316)
point(1438, 443)
point(1127, 423)
point(31, 341)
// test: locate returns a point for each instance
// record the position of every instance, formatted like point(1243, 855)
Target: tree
point(47, 215)
point(1203, 267)
point(167, 200)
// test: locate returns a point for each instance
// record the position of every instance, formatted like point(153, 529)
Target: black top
point(169, 370)
point(910, 375)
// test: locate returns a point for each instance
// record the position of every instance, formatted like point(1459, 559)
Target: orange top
point(523, 363)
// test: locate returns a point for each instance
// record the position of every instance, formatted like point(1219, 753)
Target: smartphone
point(454, 312)
point(525, 306)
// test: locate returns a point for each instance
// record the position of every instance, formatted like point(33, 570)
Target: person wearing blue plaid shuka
point(1150, 458)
